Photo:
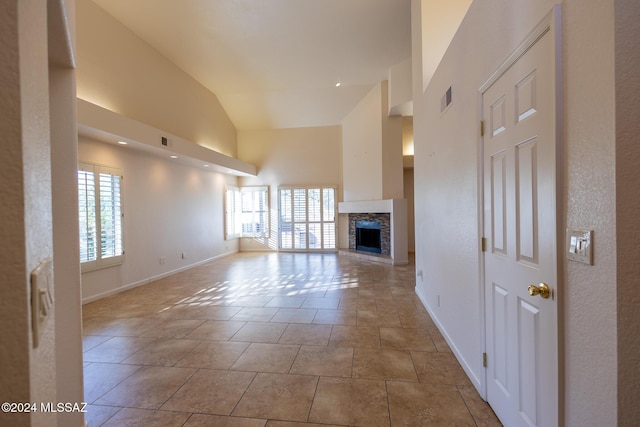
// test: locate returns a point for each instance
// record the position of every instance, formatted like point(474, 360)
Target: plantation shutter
point(100, 216)
point(87, 213)
point(307, 218)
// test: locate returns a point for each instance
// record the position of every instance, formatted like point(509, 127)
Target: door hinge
point(484, 360)
point(483, 244)
point(481, 127)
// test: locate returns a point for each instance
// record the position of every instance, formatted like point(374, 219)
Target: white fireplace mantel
point(369, 206)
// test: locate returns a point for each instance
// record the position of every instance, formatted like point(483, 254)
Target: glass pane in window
point(328, 204)
point(286, 214)
point(110, 216)
point(263, 213)
point(314, 204)
point(237, 212)
point(299, 205)
point(87, 215)
point(229, 213)
point(315, 236)
point(286, 235)
point(300, 236)
point(255, 210)
point(329, 235)
point(286, 217)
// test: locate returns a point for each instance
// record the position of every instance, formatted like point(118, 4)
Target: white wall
point(392, 176)
point(409, 195)
point(169, 208)
point(64, 188)
point(589, 300)
point(65, 242)
point(401, 89)
point(440, 21)
point(362, 149)
point(29, 52)
point(372, 149)
point(407, 137)
point(302, 156)
point(446, 159)
point(627, 66)
point(120, 72)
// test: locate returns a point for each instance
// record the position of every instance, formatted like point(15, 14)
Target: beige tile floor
point(277, 340)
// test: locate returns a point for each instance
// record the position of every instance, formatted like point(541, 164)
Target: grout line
point(313, 399)
point(386, 388)
point(244, 392)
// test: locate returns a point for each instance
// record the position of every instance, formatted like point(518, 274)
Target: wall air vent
point(165, 141)
point(446, 100)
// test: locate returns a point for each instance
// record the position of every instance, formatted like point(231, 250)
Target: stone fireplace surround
point(385, 231)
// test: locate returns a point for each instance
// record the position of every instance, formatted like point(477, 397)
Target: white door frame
point(551, 23)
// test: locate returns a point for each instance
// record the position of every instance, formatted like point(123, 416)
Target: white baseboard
point(463, 362)
point(152, 278)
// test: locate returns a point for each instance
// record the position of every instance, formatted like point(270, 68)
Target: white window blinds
point(232, 204)
point(255, 211)
point(87, 211)
point(100, 216)
point(247, 212)
point(307, 218)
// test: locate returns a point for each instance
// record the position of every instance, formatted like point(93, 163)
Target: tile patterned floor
point(274, 340)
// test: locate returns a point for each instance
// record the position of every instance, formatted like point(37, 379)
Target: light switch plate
point(580, 245)
point(41, 298)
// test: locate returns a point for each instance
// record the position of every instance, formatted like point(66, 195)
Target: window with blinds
point(246, 212)
point(100, 216)
point(307, 218)
point(232, 205)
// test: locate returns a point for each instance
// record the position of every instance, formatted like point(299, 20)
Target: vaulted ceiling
point(275, 63)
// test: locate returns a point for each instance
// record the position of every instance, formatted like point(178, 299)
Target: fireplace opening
point(368, 236)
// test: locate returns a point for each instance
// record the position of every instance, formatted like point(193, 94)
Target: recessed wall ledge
point(107, 126)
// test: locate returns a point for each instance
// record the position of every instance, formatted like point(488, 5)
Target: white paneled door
point(520, 261)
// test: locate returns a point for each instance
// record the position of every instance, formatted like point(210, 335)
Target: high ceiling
point(275, 63)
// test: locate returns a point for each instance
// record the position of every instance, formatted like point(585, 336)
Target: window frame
point(236, 216)
point(232, 227)
point(94, 208)
point(300, 219)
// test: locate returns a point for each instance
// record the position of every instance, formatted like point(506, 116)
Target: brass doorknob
point(542, 289)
